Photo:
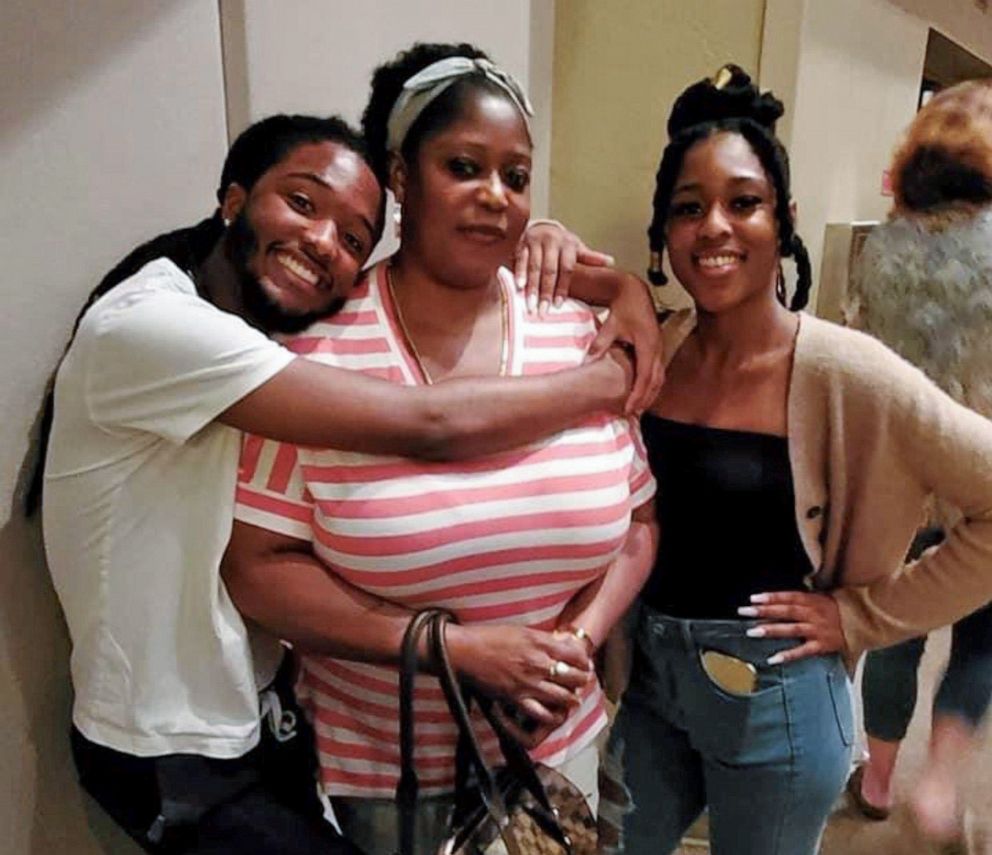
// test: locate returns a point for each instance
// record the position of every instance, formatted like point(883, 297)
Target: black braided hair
point(387, 84)
point(729, 102)
point(256, 150)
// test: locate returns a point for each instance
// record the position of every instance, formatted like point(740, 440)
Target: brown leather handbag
point(521, 808)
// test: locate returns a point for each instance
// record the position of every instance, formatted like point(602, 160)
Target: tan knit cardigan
point(870, 438)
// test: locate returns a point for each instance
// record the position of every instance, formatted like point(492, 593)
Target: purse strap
point(458, 704)
point(406, 789)
point(432, 622)
point(518, 762)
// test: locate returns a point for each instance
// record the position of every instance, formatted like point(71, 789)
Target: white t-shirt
point(138, 504)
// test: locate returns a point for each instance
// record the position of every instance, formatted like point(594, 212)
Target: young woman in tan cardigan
point(794, 459)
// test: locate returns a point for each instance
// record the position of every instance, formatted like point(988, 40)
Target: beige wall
point(90, 161)
point(618, 66)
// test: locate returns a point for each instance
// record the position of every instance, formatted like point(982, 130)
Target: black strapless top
point(726, 507)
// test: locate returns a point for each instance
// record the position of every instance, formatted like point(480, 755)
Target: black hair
point(731, 104)
point(256, 150)
point(387, 84)
point(933, 177)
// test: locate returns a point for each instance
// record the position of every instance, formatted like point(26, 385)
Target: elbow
point(443, 435)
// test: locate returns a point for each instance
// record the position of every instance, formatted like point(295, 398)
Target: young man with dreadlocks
point(168, 364)
point(792, 456)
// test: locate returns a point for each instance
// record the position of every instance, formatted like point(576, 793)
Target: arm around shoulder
point(312, 404)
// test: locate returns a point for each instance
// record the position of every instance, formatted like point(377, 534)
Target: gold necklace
point(504, 322)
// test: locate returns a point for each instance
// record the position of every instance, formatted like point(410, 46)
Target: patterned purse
point(521, 808)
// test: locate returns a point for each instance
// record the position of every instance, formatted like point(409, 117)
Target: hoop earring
point(397, 219)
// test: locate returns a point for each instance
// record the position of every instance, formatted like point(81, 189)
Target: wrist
point(631, 287)
point(608, 389)
point(458, 641)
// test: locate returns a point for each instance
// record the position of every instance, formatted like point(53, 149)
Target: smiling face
point(303, 232)
point(466, 200)
point(721, 231)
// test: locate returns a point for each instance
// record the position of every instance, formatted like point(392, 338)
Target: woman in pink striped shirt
point(525, 547)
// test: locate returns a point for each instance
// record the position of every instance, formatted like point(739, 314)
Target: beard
point(240, 244)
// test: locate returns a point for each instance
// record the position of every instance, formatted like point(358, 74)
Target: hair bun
point(729, 94)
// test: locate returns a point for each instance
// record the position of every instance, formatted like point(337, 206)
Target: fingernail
point(610, 260)
point(543, 308)
point(531, 303)
point(777, 659)
point(759, 598)
point(747, 611)
point(756, 632)
point(521, 281)
point(559, 302)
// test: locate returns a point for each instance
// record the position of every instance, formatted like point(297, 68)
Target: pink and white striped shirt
point(508, 538)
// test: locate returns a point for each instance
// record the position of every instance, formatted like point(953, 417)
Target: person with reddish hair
point(924, 287)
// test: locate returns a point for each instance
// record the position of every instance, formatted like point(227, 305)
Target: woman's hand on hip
point(546, 257)
point(814, 618)
point(540, 673)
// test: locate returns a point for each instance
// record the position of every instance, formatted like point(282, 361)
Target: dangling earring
point(227, 222)
point(780, 285)
point(397, 219)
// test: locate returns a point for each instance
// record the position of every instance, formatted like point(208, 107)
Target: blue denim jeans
point(888, 688)
point(768, 765)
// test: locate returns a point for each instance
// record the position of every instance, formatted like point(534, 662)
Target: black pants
point(260, 804)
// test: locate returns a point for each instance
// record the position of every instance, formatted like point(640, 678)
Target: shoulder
point(571, 317)
point(159, 280)
point(832, 359)
point(926, 255)
point(158, 312)
point(838, 349)
point(361, 319)
point(159, 288)
point(574, 311)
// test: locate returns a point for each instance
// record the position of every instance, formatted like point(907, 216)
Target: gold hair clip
point(723, 76)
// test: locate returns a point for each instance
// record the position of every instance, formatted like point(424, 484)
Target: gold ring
point(558, 669)
point(582, 635)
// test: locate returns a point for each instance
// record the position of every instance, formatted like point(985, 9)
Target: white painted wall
point(960, 20)
point(111, 130)
point(849, 72)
